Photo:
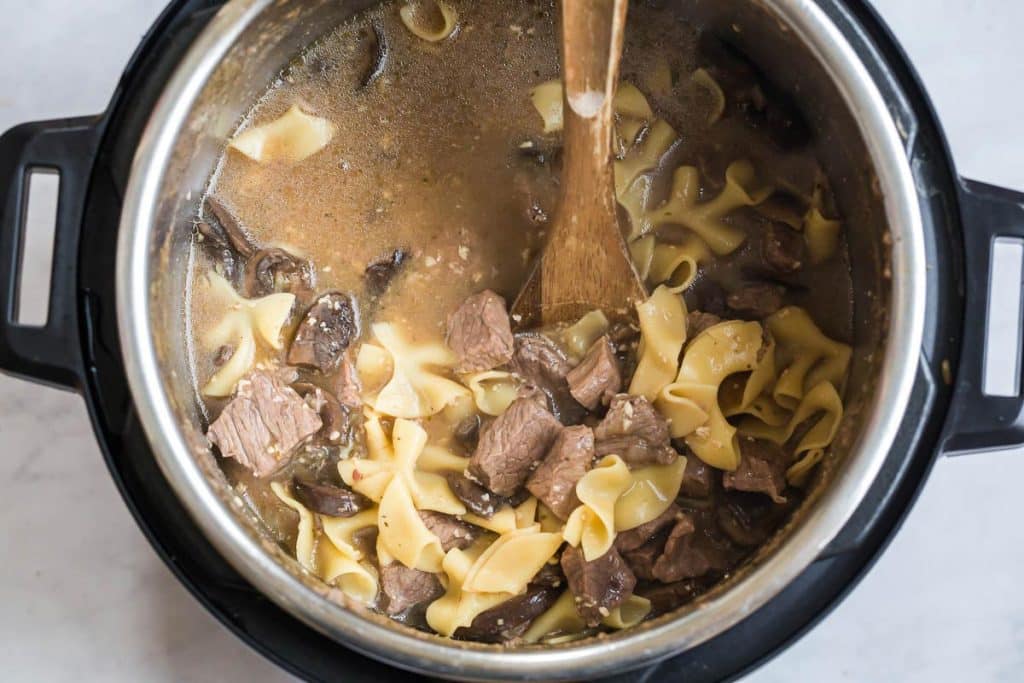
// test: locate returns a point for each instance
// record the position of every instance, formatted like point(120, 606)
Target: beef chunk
point(748, 519)
point(597, 378)
point(263, 424)
point(510, 619)
point(475, 497)
point(452, 532)
point(346, 384)
point(232, 233)
point(757, 300)
point(762, 469)
point(511, 446)
point(667, 597)
point(275, 270)
point(405, 588)
point(598, 586)
point(698, 481)
point(782, 248)
point(554, 481)
point(698, 321)
point(693, 548)
point(641, 560)
point(631, 539)
point(543, 365)
point(635, 431)
point(480, 334)
point(324, 333)
point(330, 500)
point(380, 273)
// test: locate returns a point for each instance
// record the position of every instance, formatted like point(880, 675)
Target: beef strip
point(635, 431)
point(597, 378)
point(452, 532)
point(698, 321)
point(475, 497)
point(694, 548)
point(598, 586)
point(329, 499)
point(380, 273)
point(406, 588)
point(666, 597)
point(511, 446)
point(631, 539)
point(263, 424)
point(543, 365)
point(554, 481)
point(782, 248)
point(480, 334)
point(698, 479)
point(510, 619)
point(326, 330)
point(762, 469)
point(275, 270)
point(756, 301)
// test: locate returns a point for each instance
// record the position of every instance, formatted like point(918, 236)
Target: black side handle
point(977, 421)
point(50, 354)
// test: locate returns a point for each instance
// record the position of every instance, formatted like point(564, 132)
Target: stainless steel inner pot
point(229, 67)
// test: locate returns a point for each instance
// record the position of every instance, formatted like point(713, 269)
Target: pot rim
point(593, 656)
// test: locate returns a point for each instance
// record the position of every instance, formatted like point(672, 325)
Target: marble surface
point(84, 597)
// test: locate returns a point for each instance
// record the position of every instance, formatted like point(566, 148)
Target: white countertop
point(85, 598)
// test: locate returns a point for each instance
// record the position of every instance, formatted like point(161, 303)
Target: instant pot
point(921, 241)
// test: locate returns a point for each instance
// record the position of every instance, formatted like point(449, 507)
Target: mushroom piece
point(275, 270)
point(327, 329)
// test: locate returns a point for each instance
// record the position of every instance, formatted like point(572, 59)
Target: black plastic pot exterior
point(79, 349)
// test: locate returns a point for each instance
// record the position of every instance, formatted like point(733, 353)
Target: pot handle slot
point(50, 353)
point(989, 415)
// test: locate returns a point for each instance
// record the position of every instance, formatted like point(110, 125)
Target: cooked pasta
point(424, 453)
point(293, 137)
point(662, 333)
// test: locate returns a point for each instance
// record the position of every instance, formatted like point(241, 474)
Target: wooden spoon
point(585, 263)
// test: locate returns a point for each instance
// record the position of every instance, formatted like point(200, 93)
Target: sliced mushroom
point(380, 273)
point(275, 270)
point(330, 500)
point(234, 235)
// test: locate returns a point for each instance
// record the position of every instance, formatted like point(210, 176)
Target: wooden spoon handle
point(592, 44)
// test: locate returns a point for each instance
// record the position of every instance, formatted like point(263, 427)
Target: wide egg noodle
point(676, 265)
point(458, 608)
point(581, 335)
point(411, 15)
point(592, 525)
point(705, 80)
point(403, 534)
point(511, 561)
point(804, 356)
point(562, 619)
point(413, 390)
point(651, 492)
point(823, 400)
point(662, 334)
point(705, 218)
point(293, 137)
point(690, 403)
point(493, 390)
point(821, 235)
point(244, 322)
point(387, 462)
point(335, 563)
